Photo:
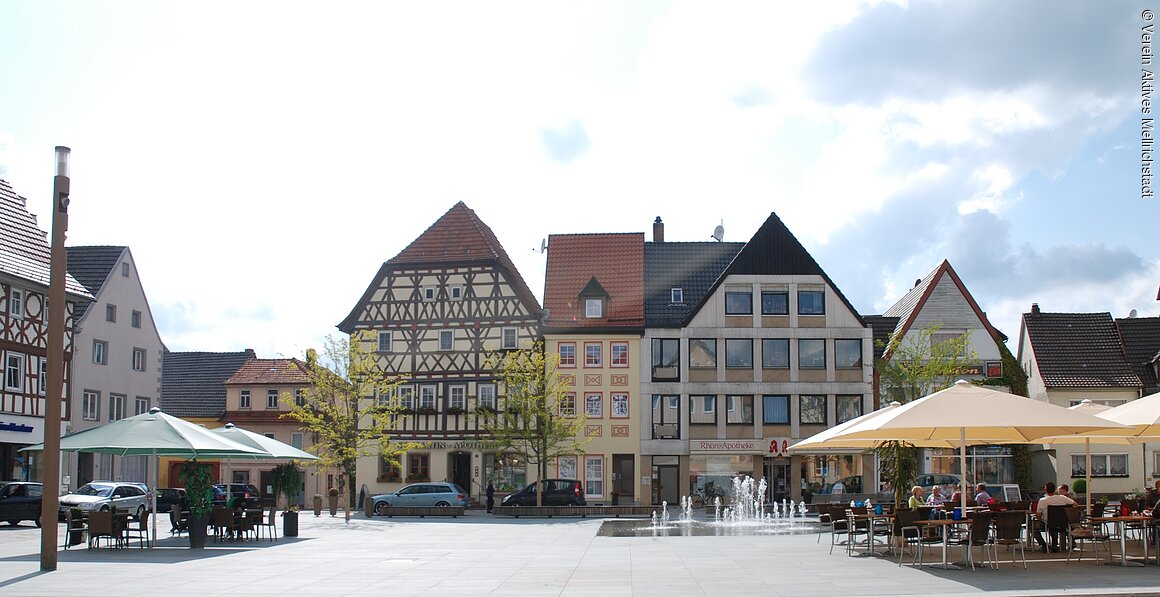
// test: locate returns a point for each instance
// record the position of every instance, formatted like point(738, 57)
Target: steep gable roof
point(773, 251)
point(690, 266)
point(1078, 350)
point(457, 237)
point(609, 264)
point(91, 266)
point(24, 248)
point(1141, 338)
point(910, 305)
point(193, 383)
point(270, 371)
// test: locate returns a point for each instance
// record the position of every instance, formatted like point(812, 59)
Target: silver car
point(438, 495)
point(106, 495)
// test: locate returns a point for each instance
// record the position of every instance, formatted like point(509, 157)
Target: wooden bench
point(420, 511)
point(581, 511)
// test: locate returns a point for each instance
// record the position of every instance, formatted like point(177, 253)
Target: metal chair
point(1009, 532)
point(979, 535)
point(270, 526)
point(839, 526)
point(100, 525)
point(1081, 532)
point(222, 521)
point(138, 527)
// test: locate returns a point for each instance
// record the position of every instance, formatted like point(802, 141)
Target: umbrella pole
point(156, 482)
point(1087, 469)
point(963, 466)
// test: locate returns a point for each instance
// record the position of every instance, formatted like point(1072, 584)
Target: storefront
point(833, 474)
point(17, 432)
point(985, 464)
point(714, 463)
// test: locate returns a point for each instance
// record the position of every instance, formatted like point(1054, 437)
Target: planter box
point(389, 511)
point(581, 511)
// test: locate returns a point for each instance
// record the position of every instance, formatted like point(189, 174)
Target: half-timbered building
point(25, 263)
point(433, 314)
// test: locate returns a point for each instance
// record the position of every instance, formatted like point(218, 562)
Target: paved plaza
point(481, 555)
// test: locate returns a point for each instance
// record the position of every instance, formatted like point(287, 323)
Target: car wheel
point(140, 512)
point(381, 508)
point(13, 522)
point(37, 521)
point(104, 508)
point(442, 505)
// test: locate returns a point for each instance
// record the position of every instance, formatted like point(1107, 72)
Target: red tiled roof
point(615, 260)
point(270, 371)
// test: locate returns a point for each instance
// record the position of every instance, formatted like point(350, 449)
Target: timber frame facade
point(432, 315)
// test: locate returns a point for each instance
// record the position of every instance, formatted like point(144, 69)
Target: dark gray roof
point(1079, 350)
point(91, 265)
point(24, 248)
point(690, 266)
point(883, 327)
point(1141, 338)
point(193, 383)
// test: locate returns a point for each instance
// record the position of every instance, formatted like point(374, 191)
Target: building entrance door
point(622, 476)
point(777, 479)
point(459, 464)
point(666, 487)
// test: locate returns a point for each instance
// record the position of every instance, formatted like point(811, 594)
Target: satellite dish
point(719, 231)
point(543, 247)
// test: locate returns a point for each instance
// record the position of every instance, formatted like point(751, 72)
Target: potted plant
point(615, 497)
point(287, 479)
point(332, 500)
point(76, 526)
point(317, 504)
point(199, 495)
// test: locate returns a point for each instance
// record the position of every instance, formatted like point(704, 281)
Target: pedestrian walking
point(490, 496)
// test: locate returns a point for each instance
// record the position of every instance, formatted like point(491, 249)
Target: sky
point(262, 159)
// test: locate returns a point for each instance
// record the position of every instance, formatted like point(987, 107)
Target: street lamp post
point(54, 352)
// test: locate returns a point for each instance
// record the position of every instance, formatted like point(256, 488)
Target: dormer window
point(594, 298)
point(593, 307)
point(678, 295)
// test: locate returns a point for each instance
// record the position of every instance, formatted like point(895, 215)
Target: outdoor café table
point(870, 517)
point(1121, 522)
point(945, 524)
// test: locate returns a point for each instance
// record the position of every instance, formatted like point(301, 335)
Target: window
point(299, 397)
point(666, 416)
point(566, 467)
point(811, 302)
point(125, 269)
point(418, 467)
point(386, 340)
point(812, 353)
point(594, 405)
point(739, 410)
point(487, 396)
point(703, 410)
point(428, 293)
point(848, 407)
point(140, 405)
point(111, 313)
point(619, 352)
point(593, 307)
point(666, 358)
point(738, 303)
point(594, 475)
point(774, 303)
point(135, 318)
point(510, 338)
point(1103, 465)
point(116, 407)
point(567, 354)
point(739, 353)
point(271, 398)
point(296, 439)
point(100, 352)
point(244, 399)
point(406, 396)
point(703, 353)
point(568, 405)
point(677, 295)
point(618, 402)
point(16, 304)
point(138, 359)
point(775, 353)
point(847, 353)
point(942, 337)
point(446, 339)
point(457, 397)
point(43, 378)
point(14, 372)
point(812, 410)
point(427, 397)
point(593, 354)
point(91, 406)
point(775, 410)
point(456, 293)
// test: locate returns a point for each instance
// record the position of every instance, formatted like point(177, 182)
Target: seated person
point(1050, 499)
point(916, 498)
point(982, 498)
point(956, 497)
point(936, 497)
point(1062, 490)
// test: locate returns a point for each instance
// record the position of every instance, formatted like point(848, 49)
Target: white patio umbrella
point(1113, 436)
point(157, 434)
point(272, 448)
point(965, 413)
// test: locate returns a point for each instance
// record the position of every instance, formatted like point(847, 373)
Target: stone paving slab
point(482, 555)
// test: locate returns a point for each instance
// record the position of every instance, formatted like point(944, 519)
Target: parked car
point(948, 483)
point(557, 492)
point(437, 495)
point(169, 497)
point(106, 495)
point(241, 495)
point(20, 501)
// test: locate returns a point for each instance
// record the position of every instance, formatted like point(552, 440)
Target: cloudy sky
point(262, 160)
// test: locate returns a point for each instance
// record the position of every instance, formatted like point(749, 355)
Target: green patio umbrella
point(273, 449)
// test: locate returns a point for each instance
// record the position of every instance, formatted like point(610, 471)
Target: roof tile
point(193, 383)
point(615, 261)
point(1078, 350)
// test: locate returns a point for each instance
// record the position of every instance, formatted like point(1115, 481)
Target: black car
point(20, 501)
point(168, 497)
point(242, 495)
point(557, 492)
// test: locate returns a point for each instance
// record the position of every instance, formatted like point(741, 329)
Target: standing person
point(490, 496)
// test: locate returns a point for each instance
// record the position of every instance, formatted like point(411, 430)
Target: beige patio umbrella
point(832, 439)
point(1115, 436)
point(965, 413)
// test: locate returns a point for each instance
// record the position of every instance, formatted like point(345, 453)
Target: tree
point(343, 408)
point(529, 422)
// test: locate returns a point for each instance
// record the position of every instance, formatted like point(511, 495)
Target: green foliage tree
point(287, 479)
point(343, 407)
point(898, 463)
point(195, 477)
point(528, 423)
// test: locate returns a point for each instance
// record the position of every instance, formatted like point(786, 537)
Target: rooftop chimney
point(1034, 309)
point(658, 230)
point(917, 281)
